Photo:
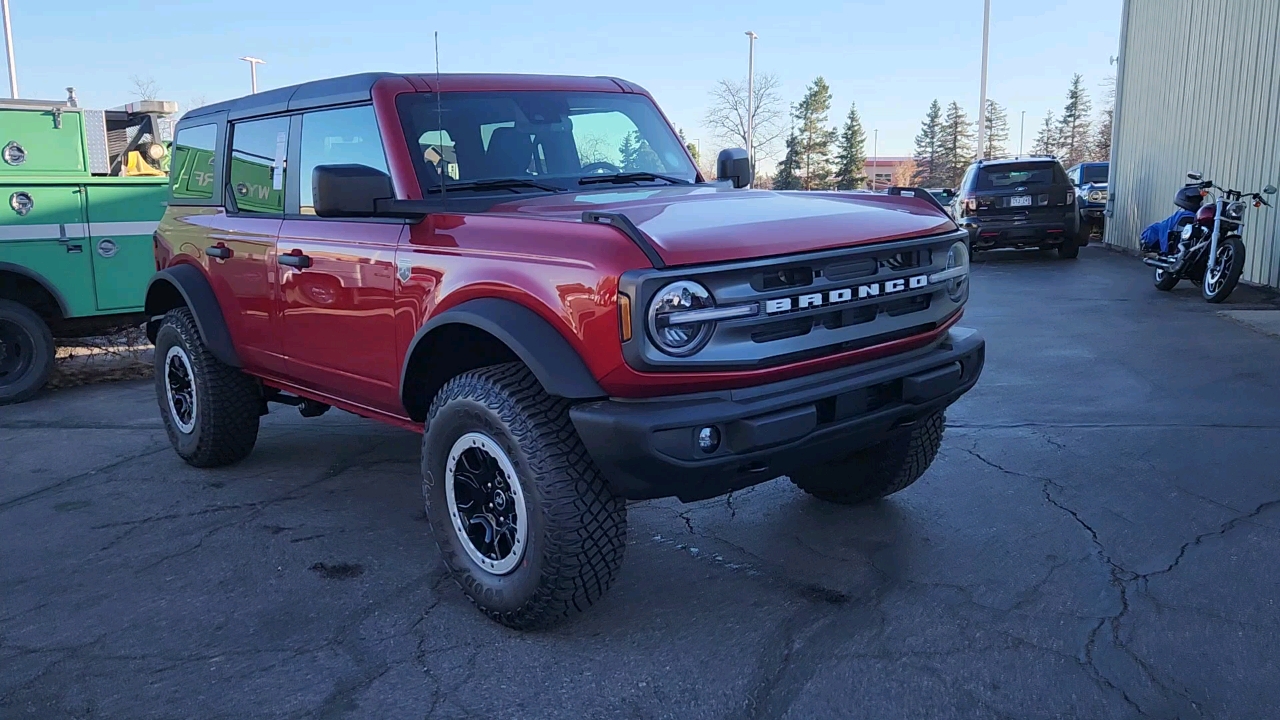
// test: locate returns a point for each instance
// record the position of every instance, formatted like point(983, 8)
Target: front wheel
point(523, 518)
point(877, 471)
point(1223, 273)
point(26, 352)
point(1165, 280)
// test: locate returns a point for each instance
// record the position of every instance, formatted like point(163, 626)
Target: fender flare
point(199, 297)
point(539, 346)
point(42, 282)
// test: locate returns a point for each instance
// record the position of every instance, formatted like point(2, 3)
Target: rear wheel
point(1223, 273)
point(523, 519)
point(877, 471)
point(1166, 281)
point(26, 352)
point(210, 409)
point(1069, 249)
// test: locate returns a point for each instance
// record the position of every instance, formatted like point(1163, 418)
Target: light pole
point(8, 44)
point(982, 102)
point(1022, 133)
point(875, 157)
point(751, 100)
point(253, 69)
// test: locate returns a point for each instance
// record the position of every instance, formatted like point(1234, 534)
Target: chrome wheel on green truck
point(26, 352)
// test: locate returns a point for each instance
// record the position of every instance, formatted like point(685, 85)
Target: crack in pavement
point(35, 494)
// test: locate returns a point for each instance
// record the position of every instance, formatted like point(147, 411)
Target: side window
point(257, 164)
point(1074, 175)
point(192, 163)
point(347, 136)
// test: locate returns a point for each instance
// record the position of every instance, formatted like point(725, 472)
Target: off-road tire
point(576, 527)
point(1069, 249)
point(1165, 281)
point(228, 402)
point(878, 471)
point(36, 341)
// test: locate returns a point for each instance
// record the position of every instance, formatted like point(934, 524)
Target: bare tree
point(145, 88)
point(197, 101)
point(594, 149)
point(727, 115)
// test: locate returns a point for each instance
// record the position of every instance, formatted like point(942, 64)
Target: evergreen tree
point(1074, 131)
point(1102, 139)
point(787, 175)
point(996, 138)
point(630, 150)
point(851, 158)
point(1047, 140)
point(955, 146)
point(815, 138)
point(692, 148)
point(928, 149)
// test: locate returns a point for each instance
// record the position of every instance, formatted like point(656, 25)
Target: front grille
point(808, 306)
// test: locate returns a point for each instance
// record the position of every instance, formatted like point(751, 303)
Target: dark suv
point(1019, 203)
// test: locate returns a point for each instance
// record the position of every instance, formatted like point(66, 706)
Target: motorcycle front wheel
point(1223, 273)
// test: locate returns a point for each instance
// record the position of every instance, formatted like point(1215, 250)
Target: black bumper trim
point(647, 448)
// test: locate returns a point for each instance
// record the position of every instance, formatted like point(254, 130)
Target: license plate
point(1020, 201)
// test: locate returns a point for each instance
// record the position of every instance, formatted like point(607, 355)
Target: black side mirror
point(349, 190)
point(1194, 175)
point(735, 165)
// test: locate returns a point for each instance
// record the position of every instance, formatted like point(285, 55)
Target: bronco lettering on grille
point(843, 295)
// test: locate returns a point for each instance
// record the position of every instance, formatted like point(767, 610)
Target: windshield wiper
point(499, 184)
point(630, 177)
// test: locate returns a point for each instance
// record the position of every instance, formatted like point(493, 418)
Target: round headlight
point(958, 257)
point(1235, 210)
point(1095, 196)
point(679, 338)
point(1187, 231)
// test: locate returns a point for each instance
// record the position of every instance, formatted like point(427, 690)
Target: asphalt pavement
point(1099, 538)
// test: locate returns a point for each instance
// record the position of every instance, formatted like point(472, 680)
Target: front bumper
point(648, 448)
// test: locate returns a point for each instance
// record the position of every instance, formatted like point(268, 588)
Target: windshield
point(543, 139)
point(1093, 174)
point(999, 177)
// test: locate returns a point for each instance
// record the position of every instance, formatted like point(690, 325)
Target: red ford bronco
point(531, 272)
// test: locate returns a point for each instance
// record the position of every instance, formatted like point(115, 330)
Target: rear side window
point(1000, 177)
point(257, 164)
point(348, 136)
point(191, 166)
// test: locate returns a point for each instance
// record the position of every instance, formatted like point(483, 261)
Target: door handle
point(295, 258)
point(222, 252)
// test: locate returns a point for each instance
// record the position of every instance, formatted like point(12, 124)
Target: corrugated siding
point(1199, 90)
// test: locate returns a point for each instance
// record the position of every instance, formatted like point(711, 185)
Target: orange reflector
point(624, 316)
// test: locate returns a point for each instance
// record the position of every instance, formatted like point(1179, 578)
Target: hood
point(711, 223)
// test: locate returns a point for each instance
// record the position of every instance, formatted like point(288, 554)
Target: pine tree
point(955, 146)
point(1102, 139)
point(852, 155)
point(995, 139)
point(691, 147)
point(630, 150)
point(928, 148)
point(1047, 140)
point(1074, 132)
point(815, 138)
point(787, 175)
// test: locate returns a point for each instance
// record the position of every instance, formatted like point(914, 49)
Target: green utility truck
point(81, 193)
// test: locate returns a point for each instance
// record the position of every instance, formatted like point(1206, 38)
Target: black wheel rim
point(17, 352)
point(486, 503)
point(180, 389)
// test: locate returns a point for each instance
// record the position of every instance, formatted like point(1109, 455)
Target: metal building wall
point(1198, 88)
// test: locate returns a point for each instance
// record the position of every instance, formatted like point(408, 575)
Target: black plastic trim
point(42, 282)
point(920, 193)
point(194, 287)
point(628, 228)
point(538, 345)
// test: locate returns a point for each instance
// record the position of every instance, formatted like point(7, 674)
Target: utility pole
point(751, 101)
point(253, 70)
point(875, 158)
point(8, 44)
point(1022, 133)
point(982, 103)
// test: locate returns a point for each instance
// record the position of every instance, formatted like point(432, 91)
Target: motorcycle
point(1201, 242)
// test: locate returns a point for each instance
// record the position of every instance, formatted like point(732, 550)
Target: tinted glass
point(999, 177)
point(1094, 173)
point(191, 165)
point(555, 138)
point(257, 164)
point(348, 136)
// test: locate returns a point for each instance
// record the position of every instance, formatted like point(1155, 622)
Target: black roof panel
point(317, 93)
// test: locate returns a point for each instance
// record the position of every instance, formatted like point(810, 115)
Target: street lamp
point(982, 103)
point(253, 69)
point(8, 44)
point(751, 97)
point(1022, 133)
point(875, 158)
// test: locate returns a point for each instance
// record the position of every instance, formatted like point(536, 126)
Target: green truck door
point(122, 219)
point(49, 239)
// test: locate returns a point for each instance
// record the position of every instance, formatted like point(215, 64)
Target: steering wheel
point(600, 168)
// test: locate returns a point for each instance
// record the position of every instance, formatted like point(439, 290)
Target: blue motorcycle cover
point(1156, 236)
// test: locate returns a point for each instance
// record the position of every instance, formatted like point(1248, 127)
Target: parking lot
point(1097, 539)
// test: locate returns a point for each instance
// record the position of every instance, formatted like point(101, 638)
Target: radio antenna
point(444, 164)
